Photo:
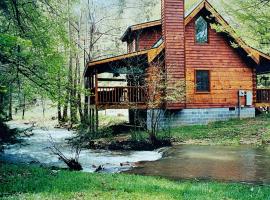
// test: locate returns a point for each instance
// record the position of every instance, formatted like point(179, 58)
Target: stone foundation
point(198, 116)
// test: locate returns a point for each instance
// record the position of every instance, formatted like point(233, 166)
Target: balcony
point(120, 97)
point(263, 97)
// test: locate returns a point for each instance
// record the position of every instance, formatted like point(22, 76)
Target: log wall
point(146, 39)
point(229, 73)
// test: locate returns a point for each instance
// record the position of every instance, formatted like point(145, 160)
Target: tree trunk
point(43, 107)
point(59, 112)
point(1, 105)
point(79, 97)
point(70, 74)
point(86, 84)
point(80, 100)
point(65, 109)
point(24, 107)
point(72, 99)
point(10, 117)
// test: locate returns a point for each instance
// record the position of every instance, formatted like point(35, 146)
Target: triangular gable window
point(201, 30)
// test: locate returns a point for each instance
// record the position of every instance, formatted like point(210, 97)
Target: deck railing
point(121, 95)
point(263, 95)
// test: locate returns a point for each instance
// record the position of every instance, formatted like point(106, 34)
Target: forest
point(50, 129)
point(45, 45)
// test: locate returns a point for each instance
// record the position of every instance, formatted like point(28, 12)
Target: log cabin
point(218, 79)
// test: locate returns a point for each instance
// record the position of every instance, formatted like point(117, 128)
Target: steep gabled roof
point(151, 54)
point(190, 14)
point(253, 53)
point(154, 23)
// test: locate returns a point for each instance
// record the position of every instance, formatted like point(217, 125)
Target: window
point(158, 43)
point(201, 30)
point(202, 80)
point(133, 45)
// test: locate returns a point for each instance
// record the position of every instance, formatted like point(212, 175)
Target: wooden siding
point(146, 39)
point(229, 72)
point(140, 27)
point(173, 30)
point(149, 37)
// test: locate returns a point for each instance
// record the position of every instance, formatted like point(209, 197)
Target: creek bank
point(120, 137)
point(121, 144)
point(11, 135)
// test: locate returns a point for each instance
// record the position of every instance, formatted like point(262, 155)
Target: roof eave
point(137, 27)
point(124, 37)
point(151, 55)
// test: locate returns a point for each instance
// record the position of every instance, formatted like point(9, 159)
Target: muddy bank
point(119, 138)
point(123, 143)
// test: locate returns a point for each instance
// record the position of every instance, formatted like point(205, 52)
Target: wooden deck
point(135, 97)
point(263, 98)
point(120, 97)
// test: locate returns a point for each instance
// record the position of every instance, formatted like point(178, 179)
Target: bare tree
point(153, 78)
point(72, 163)
point(158, 96)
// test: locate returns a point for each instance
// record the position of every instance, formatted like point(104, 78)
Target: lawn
point(235, 131)
point(232, 132)
point(24, 182)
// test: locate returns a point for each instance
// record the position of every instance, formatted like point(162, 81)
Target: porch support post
point(96, 87)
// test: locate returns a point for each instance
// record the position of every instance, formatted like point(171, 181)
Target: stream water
point(35, 149)
point(224, 163)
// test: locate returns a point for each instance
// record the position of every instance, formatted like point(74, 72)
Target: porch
point(262, 98)
point(126, 97)
point(118, 83)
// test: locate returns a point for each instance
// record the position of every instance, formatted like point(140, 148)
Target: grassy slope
point(233, 132)
point(256, 131)
point(22, 182)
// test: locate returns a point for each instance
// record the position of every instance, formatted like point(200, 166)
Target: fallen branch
point(72, 163)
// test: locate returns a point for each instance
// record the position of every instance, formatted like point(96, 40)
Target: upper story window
point(202, 81)
point(158, 43)
point(201, 27)
point(133, 45)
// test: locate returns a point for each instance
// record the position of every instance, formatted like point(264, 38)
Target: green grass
point(24, 182)
point(235, 131)
point(232, 132)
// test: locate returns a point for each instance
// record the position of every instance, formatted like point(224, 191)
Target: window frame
point(195, 33)
point(195, 83)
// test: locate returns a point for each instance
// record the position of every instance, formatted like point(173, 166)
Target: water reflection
point(241, 164)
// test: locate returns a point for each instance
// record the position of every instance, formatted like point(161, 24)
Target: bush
point(7, 135)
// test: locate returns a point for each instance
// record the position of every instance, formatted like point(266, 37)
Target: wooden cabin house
point(218, 81)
